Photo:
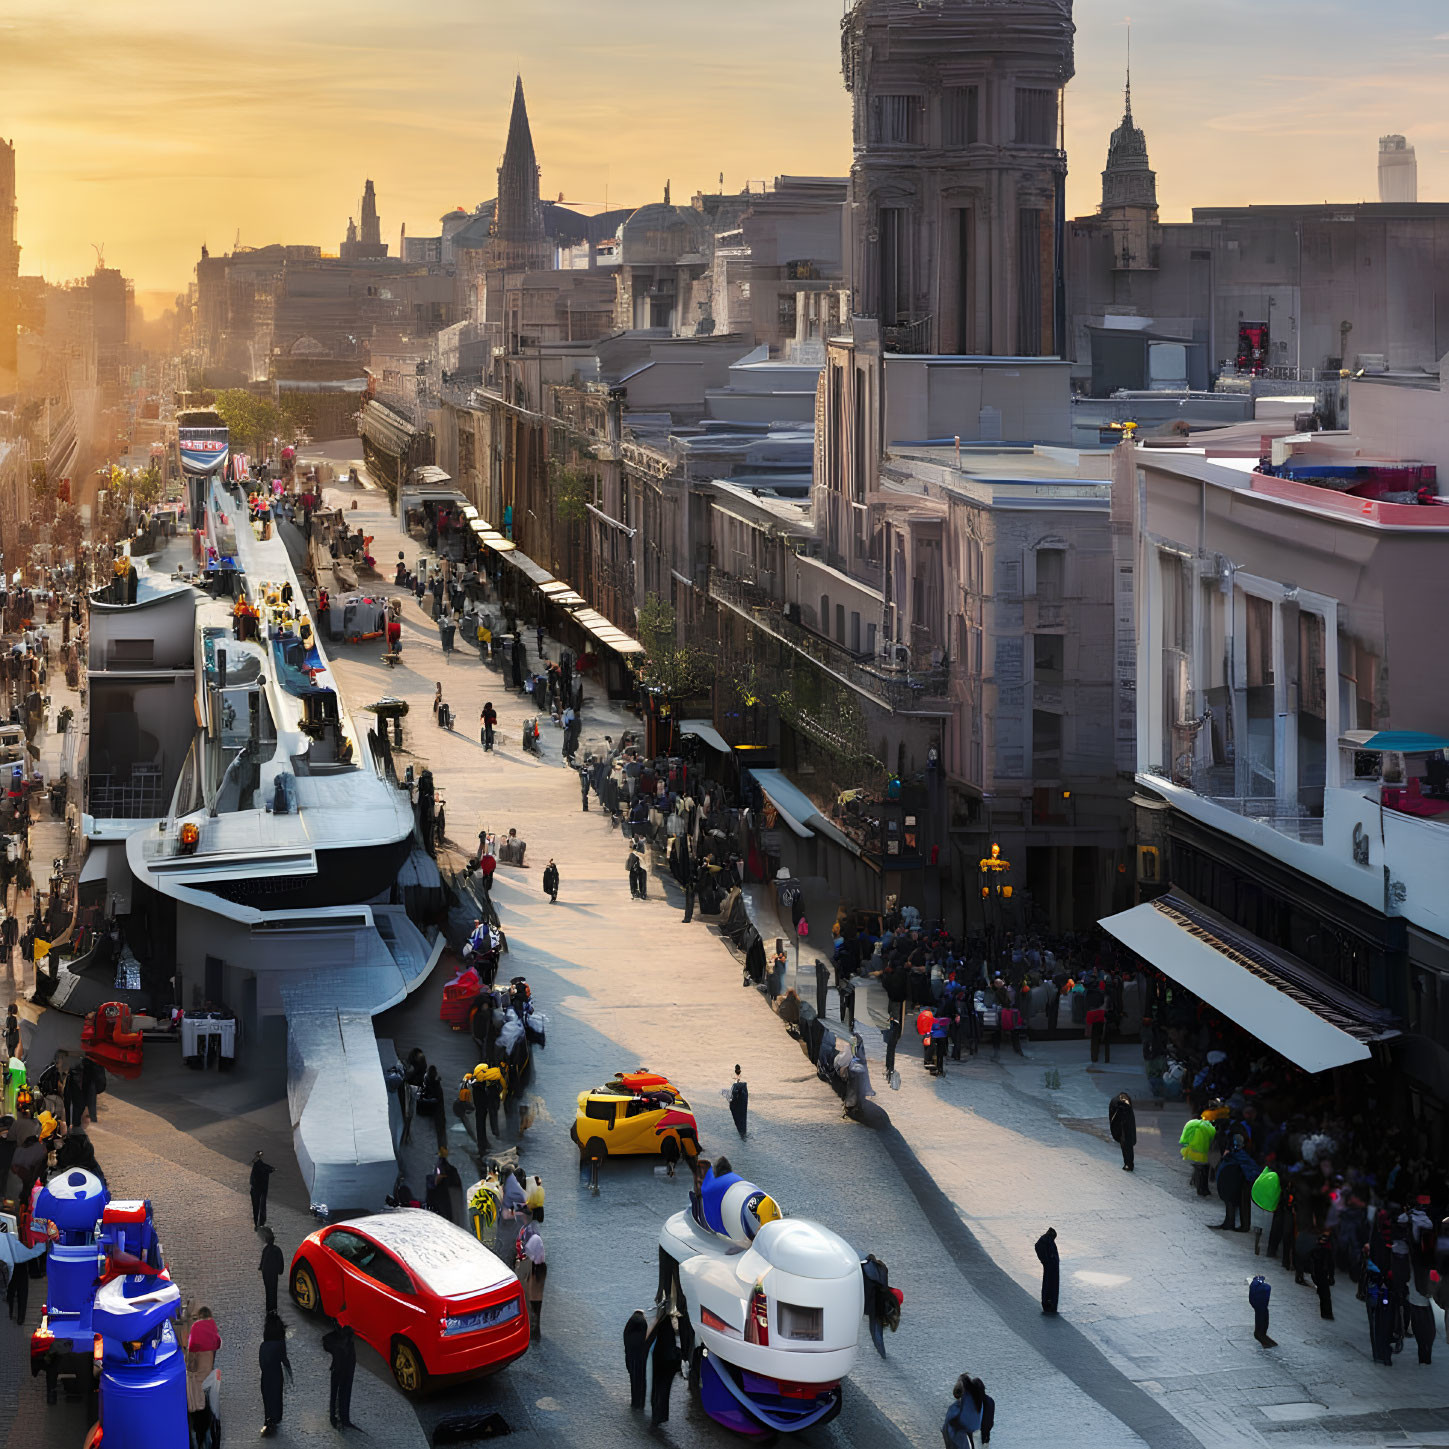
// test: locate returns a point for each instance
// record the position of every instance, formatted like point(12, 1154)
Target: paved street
point(950, 1184)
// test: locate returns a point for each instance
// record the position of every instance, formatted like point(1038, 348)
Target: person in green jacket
point(1266, 1192)
point(1195, 1143)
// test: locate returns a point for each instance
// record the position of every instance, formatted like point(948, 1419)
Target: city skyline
point(149, 146)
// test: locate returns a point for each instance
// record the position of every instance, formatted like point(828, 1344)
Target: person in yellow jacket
point(1195, 1143)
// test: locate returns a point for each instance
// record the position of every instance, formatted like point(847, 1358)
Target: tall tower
point(519, 241)
point(1398, 171)
point(957, 185)
point(370, 233)
point(1129, 193)
point(9, 268)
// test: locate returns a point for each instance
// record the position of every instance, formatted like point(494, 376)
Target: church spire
point(1127, 113)
point(518, 215)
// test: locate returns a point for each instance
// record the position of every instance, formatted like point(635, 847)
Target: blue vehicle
point(107, 1324)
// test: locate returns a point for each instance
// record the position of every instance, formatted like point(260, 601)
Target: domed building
point(664, 259)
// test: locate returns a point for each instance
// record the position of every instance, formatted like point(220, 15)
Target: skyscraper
point(9, 267)
point(1398, 171)
point(958, 179)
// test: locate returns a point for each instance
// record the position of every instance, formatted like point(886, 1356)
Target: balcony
point(906, 690)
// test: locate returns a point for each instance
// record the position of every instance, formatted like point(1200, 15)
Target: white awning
point(1282, 1001)
point(799, 811)
point(703, 730)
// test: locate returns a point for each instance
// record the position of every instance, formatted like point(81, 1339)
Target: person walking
point(1194, 1144)
point(972, 1411)
point(636, 1355)
point(1321, 1267)
point(1259, 1292)
point(550, 881)
point(273, 1361)
point(538, 635)
point(489, 721)
point(638, 877)
point(532, 1254)
point(339, 1343)
point(431, 1104)
point(665, 1361)
point(1051, 1270)
point(260, 1172)
point(1122, 1122)
point(204, 1340)
point(271, 1268)
point(1379, 1299)
point(584, 788)
point(739, 1098)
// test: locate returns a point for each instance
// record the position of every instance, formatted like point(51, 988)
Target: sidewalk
point(952, 1187)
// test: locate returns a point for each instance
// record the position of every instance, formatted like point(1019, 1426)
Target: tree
point(573, 491)
point(146, 486)
point(677, 670)
point(254, 421)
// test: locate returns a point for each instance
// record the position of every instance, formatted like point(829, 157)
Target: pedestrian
point(739, 1098)
point(17, 1291)
point(1194, 1144)
point(584, 788)
point(260, 1172)
point(1259, 1291)
point(273, 1361)
point(12, 1017)
point(271, 1267)
point(431, 1104)
point(489, 720)
point(1321, 1266)
point(1379, 1298)
point(1051, 1270)
point(394, 637)
point(638, 877)
point(1122, 1122)
point(822, 987)
point(204, 1340)
point(1265, 1193)
point(441, 1182)
point(665, 1361)
point(687, 880)
point(550, 881)
point(972, 1411)
point(340, 1344)
point(636, 1340)
point(533, 1258)
point(93, 1082)
point(198, 1413)
point(538, 634)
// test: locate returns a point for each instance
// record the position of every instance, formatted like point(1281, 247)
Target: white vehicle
point(775, 1303)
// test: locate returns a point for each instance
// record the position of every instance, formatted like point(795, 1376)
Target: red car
point(430, 1298)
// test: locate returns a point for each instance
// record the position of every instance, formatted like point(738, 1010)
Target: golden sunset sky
point(151, 126)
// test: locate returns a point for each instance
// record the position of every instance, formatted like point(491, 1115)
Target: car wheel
point(594, 1148)
point(408, 1368)
point(305, 1293)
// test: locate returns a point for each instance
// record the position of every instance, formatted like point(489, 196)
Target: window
point(960, 108)
point(855, 631)
point(962, 231)
point(133, 651)
point(895, 120)
point(348, 1246)
point(824, 614)
point(787, 312)
point(806, 1325)
point(1036, 117)
point(599, 1111)
point(1050, 567)
point(1048, 654)
point(1046, 744)
point(1260, 642)
point(840, 623)
point(895, 265)
point(385, 1269)
point(1029, 290)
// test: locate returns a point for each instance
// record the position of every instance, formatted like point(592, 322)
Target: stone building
point(9, 269)
point(958, 172)
point(364, 243)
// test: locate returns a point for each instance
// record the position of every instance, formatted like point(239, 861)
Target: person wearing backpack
point(972, 1411)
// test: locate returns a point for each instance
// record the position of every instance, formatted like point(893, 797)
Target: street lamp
point(992, 869)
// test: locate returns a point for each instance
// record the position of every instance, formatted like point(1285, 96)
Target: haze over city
point(151, 126)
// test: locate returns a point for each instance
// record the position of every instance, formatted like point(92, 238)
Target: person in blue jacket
point(1259, 1291)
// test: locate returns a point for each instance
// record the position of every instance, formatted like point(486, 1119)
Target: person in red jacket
point(394, 636)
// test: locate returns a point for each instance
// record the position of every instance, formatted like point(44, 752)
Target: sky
point(148, 127)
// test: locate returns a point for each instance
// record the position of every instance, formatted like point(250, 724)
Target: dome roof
point(308, 347)
point(662, 233)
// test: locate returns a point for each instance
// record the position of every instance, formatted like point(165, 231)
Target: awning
point(607, 632)
point(799, 811)
point(530, 570)
point(570, 600)
point(554, 588)
point(703, 730)
point(1405, 742)
point(1283, 1001)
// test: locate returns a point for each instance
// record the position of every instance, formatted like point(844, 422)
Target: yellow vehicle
point(635, 1113)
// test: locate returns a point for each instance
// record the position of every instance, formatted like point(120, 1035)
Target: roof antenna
point(1129, 68)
